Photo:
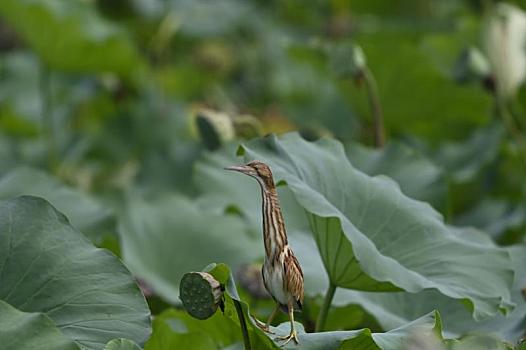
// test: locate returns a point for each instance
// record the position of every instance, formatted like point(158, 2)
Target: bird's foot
point(292, 336)
point(263, 326)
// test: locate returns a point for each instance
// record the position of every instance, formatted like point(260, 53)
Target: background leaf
point(463, 160)
point(418, 177)
point(158, 235)
point(441, 102)
point(175, 329)
point(494, 217)
point(84, 211)
point(75, 38)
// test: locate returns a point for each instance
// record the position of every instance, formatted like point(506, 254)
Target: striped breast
point(283, 278)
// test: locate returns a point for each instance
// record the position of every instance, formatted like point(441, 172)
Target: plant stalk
point(48, 124)
point(243, 324)
point(512, 127)
point(376, 107)
point(322, 317)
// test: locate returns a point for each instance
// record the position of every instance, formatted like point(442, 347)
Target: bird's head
point(258, 170)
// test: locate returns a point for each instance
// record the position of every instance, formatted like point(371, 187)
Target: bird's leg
point(293, 334)
point(271, 317)
point(265, 327)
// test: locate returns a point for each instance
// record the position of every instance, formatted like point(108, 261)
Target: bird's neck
point(274, 234)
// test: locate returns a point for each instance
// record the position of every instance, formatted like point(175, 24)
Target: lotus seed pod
point(201, 294)
point(247, 126)
point(348, 60)
point(313, 133)
point(215, 128)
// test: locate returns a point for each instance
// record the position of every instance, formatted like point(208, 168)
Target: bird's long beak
point(241, 168)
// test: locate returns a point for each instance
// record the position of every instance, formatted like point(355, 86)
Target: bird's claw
point(264, 327)
point(292, 336)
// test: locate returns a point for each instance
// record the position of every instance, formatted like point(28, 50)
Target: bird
point(282, 273)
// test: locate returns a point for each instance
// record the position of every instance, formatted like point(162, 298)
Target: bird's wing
point(293, 276)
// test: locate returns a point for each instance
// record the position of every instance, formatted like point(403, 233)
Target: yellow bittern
point(282, 274)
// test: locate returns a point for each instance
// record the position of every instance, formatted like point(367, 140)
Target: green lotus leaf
point(20, 115)
point(397, 339)
point(76, 38)
point(463, 160)
point(418, 177)
point(163, 238)
point(48, 266)
point(122, 344)
point(494, 216)
point(479, 342)
point(84, 211)
point(392, 310)
point(175, 329)
point(228, 15)
point(30, 331)
point(371, 237)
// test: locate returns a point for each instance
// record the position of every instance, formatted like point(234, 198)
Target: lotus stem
point(242, 324)
point(376, 107)
point(322, 317)
point(512, 127)
point(47, 115)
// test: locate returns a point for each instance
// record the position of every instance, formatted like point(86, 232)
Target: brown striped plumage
point(281, 270)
